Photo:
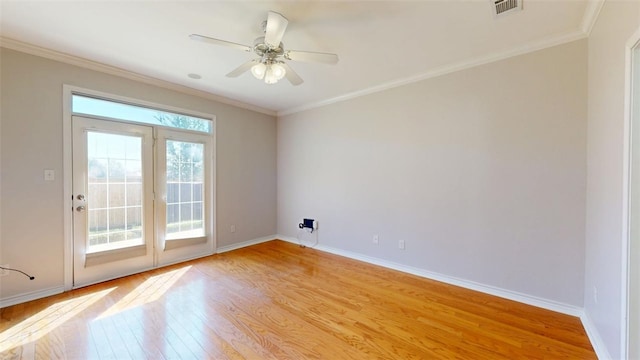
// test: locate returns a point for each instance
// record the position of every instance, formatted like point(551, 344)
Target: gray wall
point(604, 236)
point(31, 221)
point(482, 173)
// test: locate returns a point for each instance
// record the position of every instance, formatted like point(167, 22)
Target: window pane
point(134, 218)
point(173, 194)
point(133, 171)
point(134, 195)
point(98, 239)
point(116, 220)
point(185, 216)
point(97, 221)
point(186, 171)
point(116, 170)
point(116, 236)
point(185, 192)
point(114, 191)
point(197, 191)
point(185, 195)
point(97, 196)
point(98, 170)
point(173, 214)
point(92, 106)
point(197, 211)
point(116, 195)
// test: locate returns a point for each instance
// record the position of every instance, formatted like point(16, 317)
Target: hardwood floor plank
point(279, 301)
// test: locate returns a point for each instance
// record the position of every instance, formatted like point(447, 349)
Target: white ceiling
point(380, 43)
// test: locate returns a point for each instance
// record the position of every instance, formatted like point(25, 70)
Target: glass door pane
point(185, 190)
point(114, 191)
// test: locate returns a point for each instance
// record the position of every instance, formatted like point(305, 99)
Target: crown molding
point(111, 70)
point(455, 67)
point(591, 14)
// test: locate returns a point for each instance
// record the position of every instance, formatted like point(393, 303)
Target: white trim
point(443, 70)
point(487, 289)
point(591, 14)
point(625, 337)
point(34, 295)
point(243, 244)
point(594, 336)
point(107, 69)
point(67, 176)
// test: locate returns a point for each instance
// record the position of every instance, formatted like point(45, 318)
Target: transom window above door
point(86, 105)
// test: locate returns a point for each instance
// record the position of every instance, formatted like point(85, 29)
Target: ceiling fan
point(270, 65)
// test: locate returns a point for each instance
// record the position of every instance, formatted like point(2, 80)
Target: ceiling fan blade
point(309, 56)
point(219, 42)
point(274, 31)
point(242, 68)
point(291, 75)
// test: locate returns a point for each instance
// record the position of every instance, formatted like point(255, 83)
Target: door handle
point(80, 197)
point(80, 208)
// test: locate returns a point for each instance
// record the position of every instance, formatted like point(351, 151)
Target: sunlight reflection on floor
point(150, 290)
point(47, 320)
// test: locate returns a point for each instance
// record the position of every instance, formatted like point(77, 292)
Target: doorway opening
point(140, 188)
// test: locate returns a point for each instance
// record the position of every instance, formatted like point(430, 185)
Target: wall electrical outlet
point(401, 244)
point(375, 239)
point(595, 294)
point(49, 175)
point(232, 228)
point(4, 272)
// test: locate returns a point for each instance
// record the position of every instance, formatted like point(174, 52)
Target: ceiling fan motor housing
point(263, 50)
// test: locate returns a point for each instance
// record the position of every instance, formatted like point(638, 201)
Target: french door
point(142, 197)
point(113, 221)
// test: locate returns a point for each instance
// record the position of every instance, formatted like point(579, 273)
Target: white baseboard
point(18, 299)
point(245, 244)
point(592, 332)
point(594, 336)
point(492, 290)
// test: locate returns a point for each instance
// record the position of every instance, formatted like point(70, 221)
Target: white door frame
point(631, 242)
point(67, 161)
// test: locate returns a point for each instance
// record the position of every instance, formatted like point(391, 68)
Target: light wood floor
point(279, 301)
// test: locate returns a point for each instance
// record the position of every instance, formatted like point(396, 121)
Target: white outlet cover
point(49, 175)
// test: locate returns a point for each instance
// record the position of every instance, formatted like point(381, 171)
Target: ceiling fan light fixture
point(259, 70)
point(270, 77)
point(278, 71)
point(273, 73)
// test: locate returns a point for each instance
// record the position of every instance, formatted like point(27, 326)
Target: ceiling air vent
point(504, 7)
